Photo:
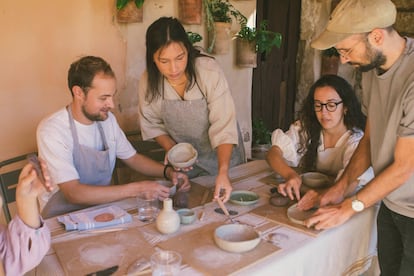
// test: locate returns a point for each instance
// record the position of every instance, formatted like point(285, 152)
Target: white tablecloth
point(345, 250)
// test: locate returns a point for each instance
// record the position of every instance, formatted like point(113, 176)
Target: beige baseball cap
point(354, 17)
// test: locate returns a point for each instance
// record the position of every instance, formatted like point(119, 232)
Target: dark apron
point(93, 167)
point(187, 121)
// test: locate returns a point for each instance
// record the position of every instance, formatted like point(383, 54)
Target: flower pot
point(220, 37)
point(189, 11)
point(246, 55)
point(130, 13)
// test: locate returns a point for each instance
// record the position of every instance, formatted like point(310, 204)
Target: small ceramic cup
point(187, 216)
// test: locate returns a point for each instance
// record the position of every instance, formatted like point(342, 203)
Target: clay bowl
point(187, 216)
point(169, 184)
point(236, 238)
point(315, 180)
point(182, 155)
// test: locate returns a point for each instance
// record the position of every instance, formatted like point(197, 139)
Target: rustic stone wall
point(315, 14)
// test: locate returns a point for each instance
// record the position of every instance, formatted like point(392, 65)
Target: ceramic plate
point(298, 216)
point(244, 197)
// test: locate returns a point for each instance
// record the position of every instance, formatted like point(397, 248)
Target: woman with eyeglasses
point(324, 137)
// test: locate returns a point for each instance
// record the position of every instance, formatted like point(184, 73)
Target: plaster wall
point(39, 40)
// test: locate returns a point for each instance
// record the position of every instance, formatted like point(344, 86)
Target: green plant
point(221, 11)
point(194, 37)
point(122, 3)
point(261, 134)
point(265, 39)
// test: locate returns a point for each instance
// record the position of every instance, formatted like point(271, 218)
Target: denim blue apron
point(93, 167)
point(187, 121)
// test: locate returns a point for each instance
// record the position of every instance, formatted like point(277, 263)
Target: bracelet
point(165, 171)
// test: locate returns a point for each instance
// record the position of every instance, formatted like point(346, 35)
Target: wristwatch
point(357, 205)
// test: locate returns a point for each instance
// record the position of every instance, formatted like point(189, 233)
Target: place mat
point(279, 215)
point(272, 179)
point(90, 254)
point(199, 250)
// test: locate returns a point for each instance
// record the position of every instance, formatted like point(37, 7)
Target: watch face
point(357, 205)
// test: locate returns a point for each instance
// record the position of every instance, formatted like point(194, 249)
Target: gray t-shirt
point(388, 100)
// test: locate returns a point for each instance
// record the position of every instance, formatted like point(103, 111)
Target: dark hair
point(311, 128)
point(160, 34)
point(82, 72)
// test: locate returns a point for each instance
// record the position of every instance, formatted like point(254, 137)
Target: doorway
point(274, 78)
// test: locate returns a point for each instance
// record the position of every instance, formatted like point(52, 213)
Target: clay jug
point(168, 220)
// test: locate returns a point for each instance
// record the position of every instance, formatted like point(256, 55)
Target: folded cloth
point(103, 217)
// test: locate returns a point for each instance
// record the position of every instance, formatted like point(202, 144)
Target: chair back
point(9, 177)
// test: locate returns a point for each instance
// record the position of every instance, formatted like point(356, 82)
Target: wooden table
point(286, 248)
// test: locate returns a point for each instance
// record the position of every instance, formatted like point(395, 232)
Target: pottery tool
point(223, 207)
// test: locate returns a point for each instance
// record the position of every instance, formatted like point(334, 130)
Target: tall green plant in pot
point(261, 139)
point(219, 17)
point(250, 41)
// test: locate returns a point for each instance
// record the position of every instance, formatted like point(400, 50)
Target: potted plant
point(261, 139)
point(129, 11)
point(330, 61)
point(194, 37)
point(219, 17)
point(250, 41)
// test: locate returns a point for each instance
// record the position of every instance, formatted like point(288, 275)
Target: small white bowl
point(169, 184)
point(236, 238)
point(182, 155)
point(187, 216)
point(316, 180)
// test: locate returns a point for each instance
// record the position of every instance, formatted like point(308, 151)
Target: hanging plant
point(263, 38)
point(120, 4)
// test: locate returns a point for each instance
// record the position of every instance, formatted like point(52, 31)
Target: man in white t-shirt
point(81, 142)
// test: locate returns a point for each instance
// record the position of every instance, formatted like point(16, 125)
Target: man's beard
point(93, 117)
point(377, 60)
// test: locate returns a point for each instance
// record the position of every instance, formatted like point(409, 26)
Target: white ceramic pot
point(168, 220)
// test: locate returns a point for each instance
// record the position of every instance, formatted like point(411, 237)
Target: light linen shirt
point(213, 85)
point(330, 161)
point(21, 247)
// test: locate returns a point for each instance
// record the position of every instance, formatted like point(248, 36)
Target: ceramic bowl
point(236, 237)
point(187, 216)
point(182, 155)
point(315, 180)
point(169, 184)
point(244, 197)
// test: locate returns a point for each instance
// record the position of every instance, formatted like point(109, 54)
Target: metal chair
point(9, 177)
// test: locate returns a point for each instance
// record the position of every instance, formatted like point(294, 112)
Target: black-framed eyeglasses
point(330, 106)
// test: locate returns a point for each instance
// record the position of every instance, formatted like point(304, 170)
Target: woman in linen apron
point(184, 97)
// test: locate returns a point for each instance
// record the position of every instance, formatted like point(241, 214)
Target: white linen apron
point(93, 167)
point(187, 121)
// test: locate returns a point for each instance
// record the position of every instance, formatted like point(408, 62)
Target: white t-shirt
point(55, 143)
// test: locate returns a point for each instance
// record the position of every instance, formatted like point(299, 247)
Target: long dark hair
point(160, 34)
point(311, 128)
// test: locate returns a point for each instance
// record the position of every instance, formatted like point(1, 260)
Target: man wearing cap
point(362, 32)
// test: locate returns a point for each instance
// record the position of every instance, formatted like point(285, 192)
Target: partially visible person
point(26, 239)
point(81, 142)
point(184, 97)
point(323, 138)
point(362, 32)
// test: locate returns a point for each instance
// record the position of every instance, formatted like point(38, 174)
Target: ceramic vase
point(168, 220)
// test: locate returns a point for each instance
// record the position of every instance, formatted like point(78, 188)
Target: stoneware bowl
point(316, 180)
point(187, 216)
point(169, 184)
point(182, 155)
point(241, 197)
point(236, 238)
